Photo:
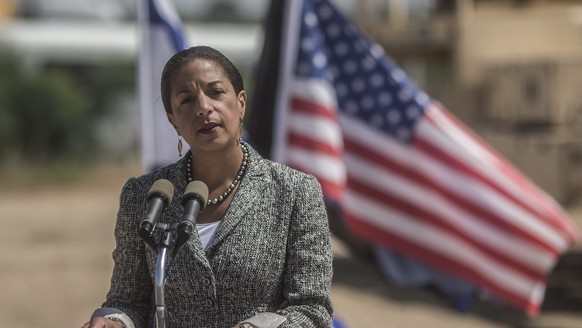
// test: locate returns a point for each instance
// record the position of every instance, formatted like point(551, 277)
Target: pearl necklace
point(239, 174)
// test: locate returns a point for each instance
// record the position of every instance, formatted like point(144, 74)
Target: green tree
point(49, 114)
point(51, 117)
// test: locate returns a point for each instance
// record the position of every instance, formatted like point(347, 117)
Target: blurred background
point(511, 70)
point(69, 130)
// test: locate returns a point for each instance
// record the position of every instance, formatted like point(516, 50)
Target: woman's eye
point(185, 100)
point(216, 92)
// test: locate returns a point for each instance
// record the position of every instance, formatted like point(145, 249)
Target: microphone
point(159, 197)
point(194, 201)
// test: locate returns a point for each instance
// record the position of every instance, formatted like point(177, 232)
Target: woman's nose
point(204, 106)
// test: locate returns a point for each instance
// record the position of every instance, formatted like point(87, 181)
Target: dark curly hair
point(183, 57)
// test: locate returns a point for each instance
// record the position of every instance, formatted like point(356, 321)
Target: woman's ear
point(242, 101)
point(170, 117)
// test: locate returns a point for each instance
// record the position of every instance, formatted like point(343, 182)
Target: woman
point(262, 254)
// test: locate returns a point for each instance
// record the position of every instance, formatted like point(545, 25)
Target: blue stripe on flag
point(338, 324)
point(174, 29)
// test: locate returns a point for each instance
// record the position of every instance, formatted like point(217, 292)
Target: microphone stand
point(160, 274)
point(173, 237)
point(164, 247)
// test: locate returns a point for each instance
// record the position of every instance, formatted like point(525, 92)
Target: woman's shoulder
point(281, 172)
point(285, 171)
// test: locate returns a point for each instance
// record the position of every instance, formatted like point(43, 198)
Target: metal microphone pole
point(164, 248)
point(159, 280)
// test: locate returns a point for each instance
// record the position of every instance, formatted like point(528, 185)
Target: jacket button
point(206, 281)
point(208, 302)
point(208, 325)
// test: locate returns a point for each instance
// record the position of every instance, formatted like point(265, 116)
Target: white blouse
point(206, 232)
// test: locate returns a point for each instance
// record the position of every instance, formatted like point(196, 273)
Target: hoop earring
point(180, 145)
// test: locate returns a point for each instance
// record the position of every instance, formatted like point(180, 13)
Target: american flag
point(406, 173)
point(161, 35)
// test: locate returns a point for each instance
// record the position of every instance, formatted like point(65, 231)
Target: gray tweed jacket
point(271, 253)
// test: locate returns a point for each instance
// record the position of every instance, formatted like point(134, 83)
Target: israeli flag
point(161, 35)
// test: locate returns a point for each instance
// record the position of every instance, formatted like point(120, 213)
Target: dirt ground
point(55, 255)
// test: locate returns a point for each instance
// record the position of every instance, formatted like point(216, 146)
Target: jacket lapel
point(253, 183)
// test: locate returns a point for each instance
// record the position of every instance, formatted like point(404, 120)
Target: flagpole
point(288, 57)
point(145, 76)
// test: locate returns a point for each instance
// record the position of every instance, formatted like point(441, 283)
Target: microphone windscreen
point(197, 188)
point(164, 187)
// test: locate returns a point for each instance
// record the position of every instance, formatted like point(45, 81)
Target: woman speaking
point(261, 255)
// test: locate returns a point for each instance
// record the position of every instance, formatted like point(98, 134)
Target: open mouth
point(209, 128)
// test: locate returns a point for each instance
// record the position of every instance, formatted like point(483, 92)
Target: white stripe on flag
point(478, 193)
point(488, 235)
point(317, 90)
point(454, 141)
point(439, 242)
point(321, 165)
point(497, 170)
point(454, 181)
point(316, 128)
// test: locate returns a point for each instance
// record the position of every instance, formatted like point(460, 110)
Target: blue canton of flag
point(369, 87)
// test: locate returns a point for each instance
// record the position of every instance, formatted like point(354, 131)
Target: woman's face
point(206, 111)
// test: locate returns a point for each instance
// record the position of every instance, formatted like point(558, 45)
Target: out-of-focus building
point(93, 32)
point(511, 70)
point(7, 9)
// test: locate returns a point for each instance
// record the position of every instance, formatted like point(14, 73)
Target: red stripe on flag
point(457, 165)
point(551, 216)
point(437, 222)
point(393, 241)
point(332, 190)
point(480, 212)
point(301, 105)
point(503, 165)
point(303, 142)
